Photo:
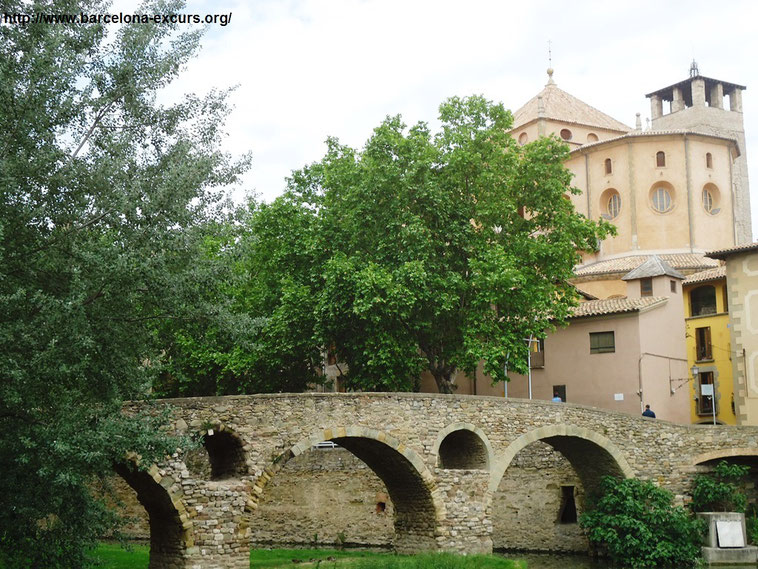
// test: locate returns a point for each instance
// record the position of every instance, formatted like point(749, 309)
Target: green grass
point(114, 557)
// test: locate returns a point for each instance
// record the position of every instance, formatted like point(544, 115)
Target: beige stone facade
point(674, 191)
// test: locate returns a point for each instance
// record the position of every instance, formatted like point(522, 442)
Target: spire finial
point(550, 63)
point(694, 72)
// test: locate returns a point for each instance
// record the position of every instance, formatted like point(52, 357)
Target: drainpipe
point(529, 362)
point(639, 380)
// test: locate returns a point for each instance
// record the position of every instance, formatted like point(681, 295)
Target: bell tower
point(709, 106)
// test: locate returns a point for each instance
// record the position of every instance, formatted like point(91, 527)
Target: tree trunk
point(444, 385)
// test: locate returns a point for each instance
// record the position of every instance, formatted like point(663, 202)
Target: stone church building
point(675, 191)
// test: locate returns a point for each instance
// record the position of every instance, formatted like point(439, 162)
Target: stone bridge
point(441, 458)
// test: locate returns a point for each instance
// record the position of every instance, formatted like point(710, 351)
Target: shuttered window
point(602, 342)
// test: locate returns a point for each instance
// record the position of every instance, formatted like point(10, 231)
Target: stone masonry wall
point(324, 497)
point(399, 436)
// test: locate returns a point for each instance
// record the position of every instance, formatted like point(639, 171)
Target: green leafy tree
point(270, 345)
point(635, 523)
point(436, 252)
point(720, 490)
point(106, 202)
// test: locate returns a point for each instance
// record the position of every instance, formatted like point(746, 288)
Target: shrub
point(719, 491)
point(635, 523)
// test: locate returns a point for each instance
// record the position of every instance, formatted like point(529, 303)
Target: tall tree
point(105, 202)
point(440, 251)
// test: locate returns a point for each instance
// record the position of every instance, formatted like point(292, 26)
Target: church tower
point(699, 104)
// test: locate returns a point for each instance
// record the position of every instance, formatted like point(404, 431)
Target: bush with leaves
point(719, 491)
point(635, 523)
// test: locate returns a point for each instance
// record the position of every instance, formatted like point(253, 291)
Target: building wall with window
point(618, 354)
point(742, 292)
point(682, 206)
point(709, 347)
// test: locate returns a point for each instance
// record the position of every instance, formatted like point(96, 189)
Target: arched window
point(566, 134)
point(660, 159)
point(608, 166)
point(523, 138)
point(708, 160)
point(703, 300)
point(592, 137)
point(661, 199)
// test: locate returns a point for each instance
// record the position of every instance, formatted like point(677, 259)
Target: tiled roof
point(678, 261)
point(616, 305)
point(585, 294)
point(562, 106)
point(707, 275)
point(724, 253)
point(653, 267)
point(651, 133)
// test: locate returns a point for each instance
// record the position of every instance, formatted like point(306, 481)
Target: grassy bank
point(114, 557)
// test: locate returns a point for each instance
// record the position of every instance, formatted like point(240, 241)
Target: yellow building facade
point(709, 351)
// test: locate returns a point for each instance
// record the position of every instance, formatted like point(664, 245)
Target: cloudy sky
point(308, 69)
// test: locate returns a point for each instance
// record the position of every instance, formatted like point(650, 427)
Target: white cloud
point(312, 68)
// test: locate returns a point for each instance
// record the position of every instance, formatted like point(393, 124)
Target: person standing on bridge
point(648, 412)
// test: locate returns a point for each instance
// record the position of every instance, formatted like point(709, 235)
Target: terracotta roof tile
point(560, 105)
point(724, 253)
point(616, 305)
point(707, 275)
point(678, 261)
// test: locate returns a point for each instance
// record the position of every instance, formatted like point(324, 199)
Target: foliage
point(719, 491)
point(419, 252)
point(106, 199)
point(636, 524)
point(751, 523)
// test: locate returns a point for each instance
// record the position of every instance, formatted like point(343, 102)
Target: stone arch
point(418, 503)
point(591, 454)
point(222, 456)
point(225, 454)
point(463, 446)
point(723, 453)
point(170, 526)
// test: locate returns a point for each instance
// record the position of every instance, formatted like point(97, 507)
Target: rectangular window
point(726, 299)
point(705, 402)
point(703, 349)
point(602, 342)
point(646, 287)
point(561, 391)
point(673, 286)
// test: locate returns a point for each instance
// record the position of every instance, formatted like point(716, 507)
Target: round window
point(614, 205)
point(523, 138)
point(610, 204)
point(711, 199)
point(566, 134)
point(661, 199)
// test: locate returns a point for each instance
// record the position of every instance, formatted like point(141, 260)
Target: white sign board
point(618, 396)
point(706, 389)
point(730, 534)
